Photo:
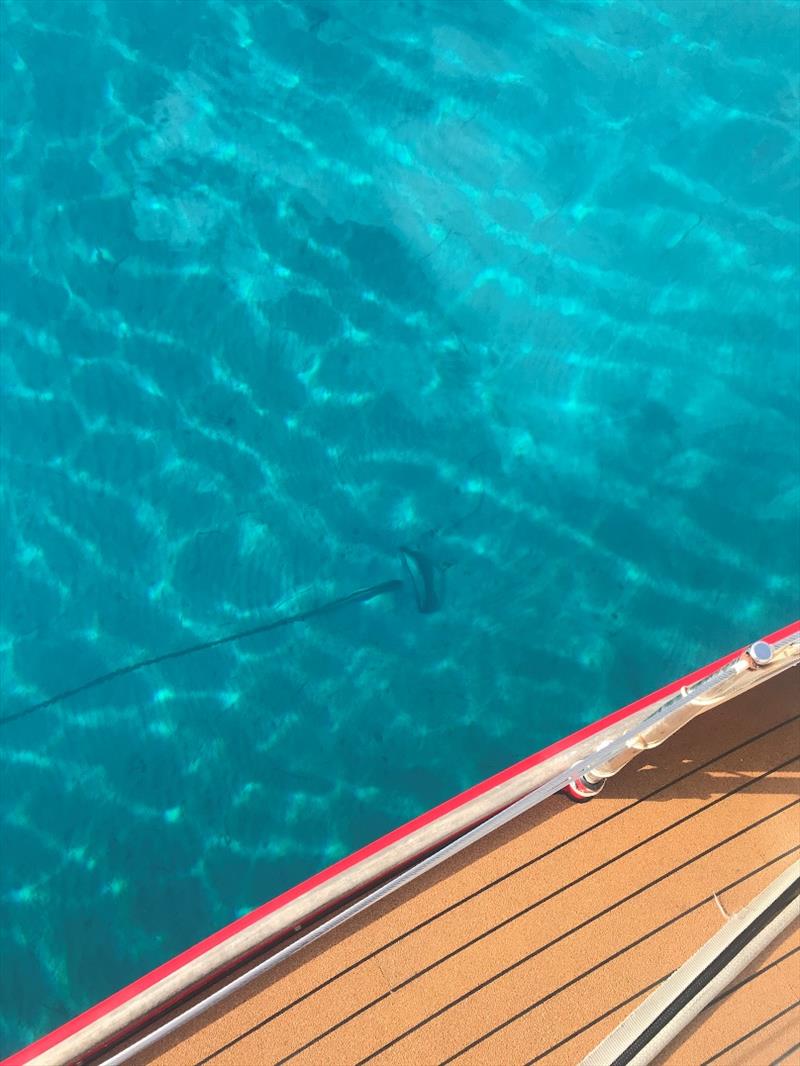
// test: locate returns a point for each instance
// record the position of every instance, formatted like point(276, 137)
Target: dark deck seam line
point(527, 958)
point(752, 1032)
point(752, 977)
point(753, 926)
point(786, 1054)
point(511, 873)
point(593, 969)
point(511, 918)
point(648, 988)
point(537, 951)
point(594, 1021)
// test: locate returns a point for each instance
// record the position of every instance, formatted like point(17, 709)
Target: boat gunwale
point(92, 1031)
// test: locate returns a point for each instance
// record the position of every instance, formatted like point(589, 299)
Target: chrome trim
point(595, 753)
point(760, 662)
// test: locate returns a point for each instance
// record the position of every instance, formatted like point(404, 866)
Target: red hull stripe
point(127, 993)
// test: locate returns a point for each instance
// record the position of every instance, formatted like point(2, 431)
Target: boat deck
point(533, 944)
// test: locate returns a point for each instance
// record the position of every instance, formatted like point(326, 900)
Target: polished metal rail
point(759, 662)
point(590, 760)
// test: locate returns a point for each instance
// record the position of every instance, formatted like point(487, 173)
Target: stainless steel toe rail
point(759, 662)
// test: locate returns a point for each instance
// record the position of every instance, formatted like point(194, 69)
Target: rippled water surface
point(287, 286)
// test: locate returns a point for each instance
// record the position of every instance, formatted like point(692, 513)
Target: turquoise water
point(287, 286)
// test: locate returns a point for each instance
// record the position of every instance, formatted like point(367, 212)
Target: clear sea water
point(289, 285)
